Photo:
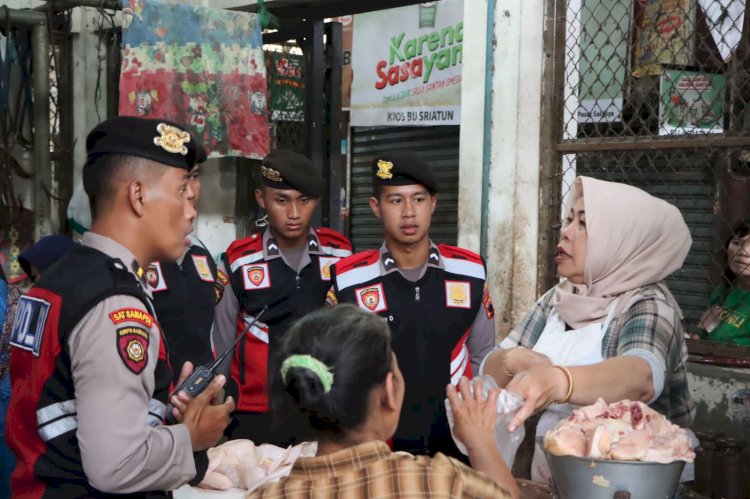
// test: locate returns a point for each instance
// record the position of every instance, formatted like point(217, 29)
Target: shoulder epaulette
point(462, 261)
point(247, 246)
point(357, 260)
point(357, 269)
point(332, 238)
point(449, 251)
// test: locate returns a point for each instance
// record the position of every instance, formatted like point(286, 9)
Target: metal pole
point(24, 17)
point(42, 165)
point(314, 91)
point(334, 161)
point(60, 5)
point(65, 162)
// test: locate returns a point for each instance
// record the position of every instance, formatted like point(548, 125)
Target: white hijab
point(633, 240)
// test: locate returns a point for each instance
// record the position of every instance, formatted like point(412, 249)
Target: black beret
point(290, 170)
point(402, 168)
point(159, 140)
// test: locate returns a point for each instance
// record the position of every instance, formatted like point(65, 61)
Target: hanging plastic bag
point(507, 405)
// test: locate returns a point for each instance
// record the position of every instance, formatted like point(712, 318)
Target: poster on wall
point(604, 59)
point(286, 87)
point(663, 35)
point(691, 102)
point(406, 65)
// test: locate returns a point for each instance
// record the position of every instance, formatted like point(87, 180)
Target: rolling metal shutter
point(686, 181)
point(438, 145)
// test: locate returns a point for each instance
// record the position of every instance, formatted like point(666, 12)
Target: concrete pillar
point(504, 222)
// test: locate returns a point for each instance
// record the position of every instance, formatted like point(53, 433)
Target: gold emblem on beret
point(172, 139)
point(384, 169)
point(271, 174)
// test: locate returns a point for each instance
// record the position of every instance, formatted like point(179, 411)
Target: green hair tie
point(321, 370)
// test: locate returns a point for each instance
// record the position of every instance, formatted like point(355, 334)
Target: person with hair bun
point(339, 372)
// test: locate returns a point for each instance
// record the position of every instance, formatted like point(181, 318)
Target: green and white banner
point(407, 65)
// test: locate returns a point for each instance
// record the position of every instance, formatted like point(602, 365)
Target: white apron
point(576, 347)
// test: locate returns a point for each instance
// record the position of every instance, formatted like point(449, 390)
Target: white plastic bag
point(507, 405)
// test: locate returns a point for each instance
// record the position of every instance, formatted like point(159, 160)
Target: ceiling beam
point(321, 9)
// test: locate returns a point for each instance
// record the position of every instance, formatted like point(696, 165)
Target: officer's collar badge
point(312, 243)
point(384, 170)
point(272, 248)
point(271, 174)
point(434, 256)
point(138, 271)
point(172, 139)
point(388, 262)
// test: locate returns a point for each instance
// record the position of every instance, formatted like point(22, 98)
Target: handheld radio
point(201, 376)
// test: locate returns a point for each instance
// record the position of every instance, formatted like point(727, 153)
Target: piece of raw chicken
point(623, 431)
point(240, 464)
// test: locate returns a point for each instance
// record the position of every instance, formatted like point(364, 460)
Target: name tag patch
point(155, 278)
point(457, 294)
point(201, 265)
point(256, 276)
point(28, 326)
point(325, 263)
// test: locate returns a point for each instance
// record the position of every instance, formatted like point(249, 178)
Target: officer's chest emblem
point(201, 266)
point(256, 276)
point(457, 294)
point(28, 325)
point(372, 298)
point(325, 262)
point(155, 278)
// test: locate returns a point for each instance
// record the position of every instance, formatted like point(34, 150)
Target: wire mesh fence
point(654, 94)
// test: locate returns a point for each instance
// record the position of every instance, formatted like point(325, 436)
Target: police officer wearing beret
point(88, 367)
point(433, 296)
point(185, 294)
point(287, 267)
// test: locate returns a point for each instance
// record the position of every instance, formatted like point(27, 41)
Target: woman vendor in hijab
point(611, 328)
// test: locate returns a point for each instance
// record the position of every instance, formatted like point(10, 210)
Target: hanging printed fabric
point(199, 67)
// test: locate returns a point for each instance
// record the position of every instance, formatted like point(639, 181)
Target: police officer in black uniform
point(185, 295)
point(434, 298)
point(287, 267)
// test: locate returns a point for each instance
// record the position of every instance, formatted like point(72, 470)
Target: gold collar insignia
point(384, 170)
point(172, 139)
point(271, 174)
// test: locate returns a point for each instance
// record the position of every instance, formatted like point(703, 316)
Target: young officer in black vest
point(287, 268)
point(88, 367)
point(433, 297)
point(185, 295)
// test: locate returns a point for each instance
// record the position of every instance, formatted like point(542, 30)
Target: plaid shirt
point(371, 470)
point(651, 322)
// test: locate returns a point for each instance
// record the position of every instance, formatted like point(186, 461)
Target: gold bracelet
point(570, 384)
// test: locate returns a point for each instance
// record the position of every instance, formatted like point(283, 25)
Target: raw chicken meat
point(241, 464)
point(623, 431)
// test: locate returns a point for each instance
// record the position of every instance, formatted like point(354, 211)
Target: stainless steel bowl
point(581, 478)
